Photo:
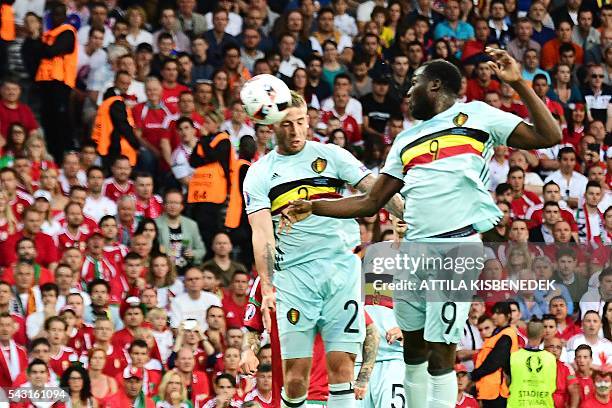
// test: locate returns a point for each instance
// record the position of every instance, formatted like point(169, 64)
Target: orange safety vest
point(235, 205)
point(7, 19)
point(208, 183)
point(103, 128)
point(62, 68)
point(494, 385)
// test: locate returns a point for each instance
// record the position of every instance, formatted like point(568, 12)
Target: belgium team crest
point(293, 316)
point(319, 165)
point(460, 119)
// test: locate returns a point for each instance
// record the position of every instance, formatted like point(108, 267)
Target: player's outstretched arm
point(545, 131)
point(364, 205)
point(263, 248)
point(395, 205)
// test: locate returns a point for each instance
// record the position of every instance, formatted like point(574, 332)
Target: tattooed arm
point(370, 350)
point(263, 248)
point(395, 205)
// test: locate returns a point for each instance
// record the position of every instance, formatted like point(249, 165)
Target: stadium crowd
point(125, 254)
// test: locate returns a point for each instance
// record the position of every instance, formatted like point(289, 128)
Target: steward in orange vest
point(56, 77)
point(7, 33)
point(216, 202)
point(493, 360)
point(113, 130)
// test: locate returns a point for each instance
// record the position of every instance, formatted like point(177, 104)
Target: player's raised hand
point(268, 305)
point(505, 67)
point(248, 362)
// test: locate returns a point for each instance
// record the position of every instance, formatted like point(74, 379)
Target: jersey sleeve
point(256, 190)
point(393, 163)
point(499, 124)
point(349, 168)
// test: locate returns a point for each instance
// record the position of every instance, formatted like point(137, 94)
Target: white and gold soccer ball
point(265, 99)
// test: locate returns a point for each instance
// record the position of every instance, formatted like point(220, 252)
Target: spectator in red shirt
point(6, 298)
point(550, 50)
point(18, 200)
point(583, 360)
point(119, 184)
point(61, 356)
point(263, 389)
point(13, 357)
point(186, 107)
point(196, 381)
point(11, 111)
point(602, 379)
point(148, 205)
point(350, 126)
point(138, 351)
point(133, 318)
point(26, 251)
point(115, 357)
point(522, 199)
point(479, 86)
point(235, 299)
point(172, 89)
point(75, 233)
point(567, 385)
point(130, 394)
point(45, 247)
point(152, 119)
point(464, 400)
point(566, 327)
point(540, 87)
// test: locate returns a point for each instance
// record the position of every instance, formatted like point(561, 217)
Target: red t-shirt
point(349, 125)
point(112, 190)
point(116, 361)
point(115, 253)
point(519, 206)
point(21, 114)
point(119, 399)
point(38, 167)
point(234, 313)
point(199, 388)
point(61, 361)
point(45, 247)
point(81, 339)
point(467, 401)
point(21, 202)
point(517, 108)
point(586, 387)
point(152, 208)
point(40, 278)
point(88, 222)
point(257, 397)
point(592, 402)
point(475, 92)
point(565, 378)
point(66, 240)
point(536, 217)
point(153, 122)
point(170, 96)
point(175, 139)
point(318, 389)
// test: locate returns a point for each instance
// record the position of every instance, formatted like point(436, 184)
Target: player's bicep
point(524, 136)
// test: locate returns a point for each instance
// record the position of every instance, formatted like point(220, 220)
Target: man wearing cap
point(464, 400)
point(131, 395)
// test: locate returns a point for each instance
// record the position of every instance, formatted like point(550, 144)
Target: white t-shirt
point(184, 307)
point(143, 37)
point(83, 35)
point(603, 345)
point(353, 108)
point(344, 42)
point(97, 208)
point(95, 60)
point(22, 7)
point(576, 186)
point(498, 173)
point(245, 130)
point(234, 26)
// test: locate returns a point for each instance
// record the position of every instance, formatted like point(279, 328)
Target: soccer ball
point(265, 98)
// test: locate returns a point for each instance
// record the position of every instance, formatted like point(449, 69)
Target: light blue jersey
point(444, 165)
point(384, 319)
point(318, 171)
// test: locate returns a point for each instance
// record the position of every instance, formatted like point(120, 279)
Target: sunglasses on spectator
point(597, 75)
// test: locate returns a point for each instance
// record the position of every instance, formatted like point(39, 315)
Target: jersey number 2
point(348, 328)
